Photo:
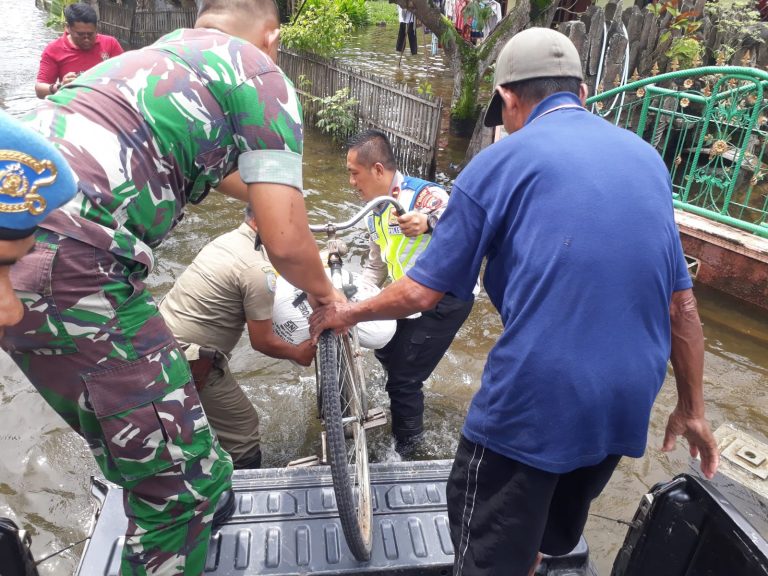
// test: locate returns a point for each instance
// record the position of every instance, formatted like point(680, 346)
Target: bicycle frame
point(338, 248)
point(343, 404)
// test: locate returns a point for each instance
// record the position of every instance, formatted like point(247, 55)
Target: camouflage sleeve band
point(275, 166)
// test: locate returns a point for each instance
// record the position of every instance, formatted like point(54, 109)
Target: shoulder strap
point(417, 185)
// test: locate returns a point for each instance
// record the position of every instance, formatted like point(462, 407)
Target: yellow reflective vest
point(399, 251)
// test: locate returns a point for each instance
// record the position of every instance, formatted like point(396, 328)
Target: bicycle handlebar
point(359, 216)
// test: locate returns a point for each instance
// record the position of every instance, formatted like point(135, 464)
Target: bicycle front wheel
point(343, 402)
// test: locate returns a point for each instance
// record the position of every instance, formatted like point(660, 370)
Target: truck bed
point(285, 522)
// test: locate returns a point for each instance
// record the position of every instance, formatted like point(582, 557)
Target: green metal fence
point(711, 126)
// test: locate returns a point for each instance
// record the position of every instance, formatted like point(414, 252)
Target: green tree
point(469, 62)
point(56, 13)
point(320, 29)
point(737, 23)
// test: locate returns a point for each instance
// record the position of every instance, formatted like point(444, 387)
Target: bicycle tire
point(343, 416)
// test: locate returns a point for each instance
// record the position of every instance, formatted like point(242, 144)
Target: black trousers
point(501, 512)
point(411, 30)
point(414, 352)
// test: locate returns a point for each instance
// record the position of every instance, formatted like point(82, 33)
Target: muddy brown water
point(44, 468)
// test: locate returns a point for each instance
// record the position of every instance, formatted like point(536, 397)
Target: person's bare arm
point(398, 300)
point(43, 89)
point(264, 340)
point(47, 76)
point(413, 223)
point(431, 200)
point(234, 187)
point(281, 218)
point(687, 357)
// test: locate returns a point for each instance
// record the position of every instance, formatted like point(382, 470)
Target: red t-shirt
point(60, 57)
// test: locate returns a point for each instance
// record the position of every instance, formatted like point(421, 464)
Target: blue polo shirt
point(574, 218)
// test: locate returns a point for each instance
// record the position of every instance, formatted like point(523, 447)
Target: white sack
point(291, 322)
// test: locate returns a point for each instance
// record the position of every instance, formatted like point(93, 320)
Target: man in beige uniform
point(229, 285)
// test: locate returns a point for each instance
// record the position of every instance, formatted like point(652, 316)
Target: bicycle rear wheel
point(343, 410)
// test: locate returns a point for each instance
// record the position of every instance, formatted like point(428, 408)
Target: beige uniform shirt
point(227, 283)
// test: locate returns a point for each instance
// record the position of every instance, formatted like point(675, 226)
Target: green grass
point(382, 12)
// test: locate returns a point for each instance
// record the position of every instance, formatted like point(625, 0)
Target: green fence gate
point(710, 125)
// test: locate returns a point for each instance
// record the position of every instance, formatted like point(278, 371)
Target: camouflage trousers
point(95, 346)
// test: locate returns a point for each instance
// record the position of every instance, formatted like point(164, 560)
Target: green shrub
point(736, 21)
point(336, 115)
point(56, 13)
point(319, 30)
point(683, 28)
point(379, 11)
point(425, 88)
point(355, 11)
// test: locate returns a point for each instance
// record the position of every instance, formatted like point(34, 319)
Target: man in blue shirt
point(584, 264)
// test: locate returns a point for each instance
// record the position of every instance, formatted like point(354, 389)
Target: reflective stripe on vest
point(398, 251)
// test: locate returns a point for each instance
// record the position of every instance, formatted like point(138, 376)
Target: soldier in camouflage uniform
point(145, 133)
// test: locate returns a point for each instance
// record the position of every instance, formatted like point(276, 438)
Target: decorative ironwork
point(674, 64)
point(712, 131)
point(635, 76)
point(746, 59)
point(655, 70)
point(718, 148)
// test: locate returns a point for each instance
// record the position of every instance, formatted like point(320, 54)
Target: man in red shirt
point(77, 50)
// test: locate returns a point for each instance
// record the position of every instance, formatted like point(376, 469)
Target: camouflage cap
point(34, 179)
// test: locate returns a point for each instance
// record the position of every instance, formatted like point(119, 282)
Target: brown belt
point(202, 367)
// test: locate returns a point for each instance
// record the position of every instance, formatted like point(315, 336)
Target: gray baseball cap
point(532, 53)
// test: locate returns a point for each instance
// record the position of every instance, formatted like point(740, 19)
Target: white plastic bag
point(291, 322)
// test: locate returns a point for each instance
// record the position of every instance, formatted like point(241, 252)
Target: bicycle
point(343, 404)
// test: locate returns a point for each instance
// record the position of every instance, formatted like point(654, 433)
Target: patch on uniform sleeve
point(427, 200)
point(271, 278)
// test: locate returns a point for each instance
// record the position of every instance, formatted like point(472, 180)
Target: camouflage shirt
point(150, 130)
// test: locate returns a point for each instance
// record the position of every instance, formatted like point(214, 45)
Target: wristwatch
point(431, 222)
point(55, 87)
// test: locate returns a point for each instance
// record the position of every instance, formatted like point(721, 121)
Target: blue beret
point(34, 179)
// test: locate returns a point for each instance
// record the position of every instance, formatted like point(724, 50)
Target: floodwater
point(44, 468)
